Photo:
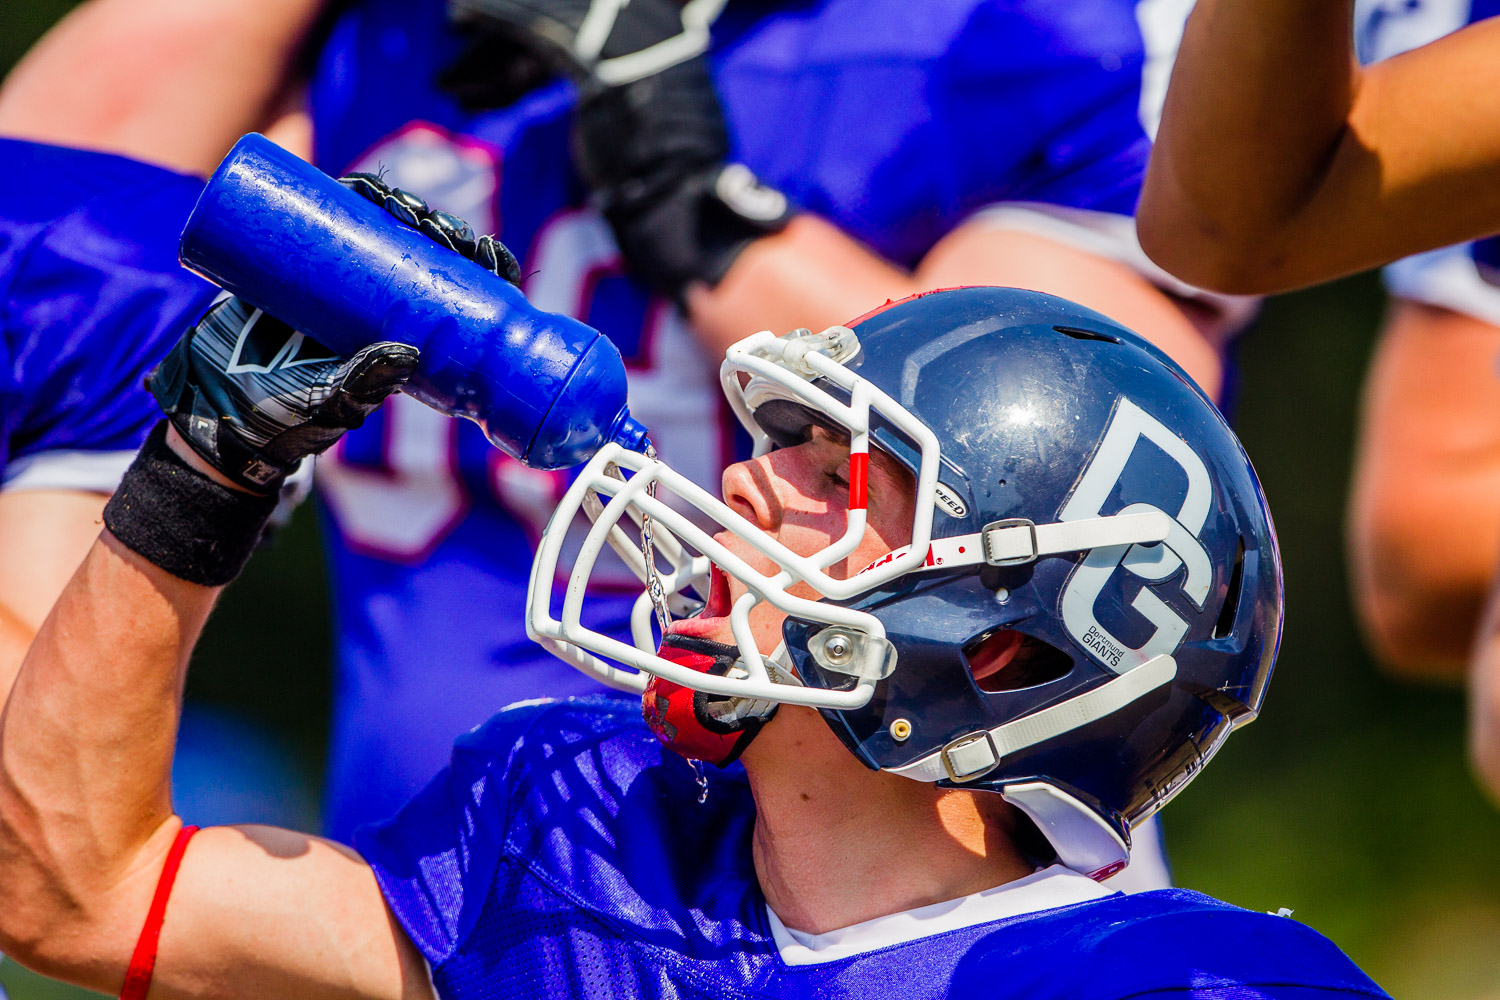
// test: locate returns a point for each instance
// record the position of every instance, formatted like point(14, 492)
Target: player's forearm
point(810, 274)
point(173, 82)
point(86, 747)
point(1257, 110)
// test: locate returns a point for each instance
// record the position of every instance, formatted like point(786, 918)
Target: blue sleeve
point(435, 859)
point(1487, 257)
point(93, 295)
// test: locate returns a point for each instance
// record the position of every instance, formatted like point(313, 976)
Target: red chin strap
point(684, 720)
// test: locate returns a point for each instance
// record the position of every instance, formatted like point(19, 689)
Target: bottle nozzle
point(630, 433)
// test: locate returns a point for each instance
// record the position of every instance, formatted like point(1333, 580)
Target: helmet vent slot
point(1007, 660)
point(1231, 608)
point(1077, 333)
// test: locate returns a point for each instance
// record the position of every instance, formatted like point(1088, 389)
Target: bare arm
point(810, 274)
point(1281, 163)
point(172, 82)
point(86, 819)
point(813, 275)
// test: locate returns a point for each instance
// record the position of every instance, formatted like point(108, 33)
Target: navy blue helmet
point(1091, 601)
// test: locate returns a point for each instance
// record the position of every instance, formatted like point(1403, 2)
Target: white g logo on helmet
point(1152, 562)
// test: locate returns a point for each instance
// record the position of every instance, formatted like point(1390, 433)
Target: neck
point(893, 843)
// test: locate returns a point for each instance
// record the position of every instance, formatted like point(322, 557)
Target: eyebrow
point(886, 464)
point(833, 435)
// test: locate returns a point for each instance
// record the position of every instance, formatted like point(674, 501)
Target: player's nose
point(749, 492)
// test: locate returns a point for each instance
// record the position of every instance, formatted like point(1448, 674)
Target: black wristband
point(177, 518)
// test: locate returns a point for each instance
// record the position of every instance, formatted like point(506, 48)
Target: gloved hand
point(253, 397)
point(649, 137)
point(515, 46)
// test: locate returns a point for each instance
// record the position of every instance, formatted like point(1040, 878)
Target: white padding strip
point(1113, 237)
point(1447, 278)
point(84, 471)
point(1078, 536)
point(1104, 700)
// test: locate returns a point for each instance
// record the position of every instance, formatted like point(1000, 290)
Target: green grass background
point(1349, 801)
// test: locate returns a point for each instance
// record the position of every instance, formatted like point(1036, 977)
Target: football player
point(1009, 552)
point(983, 142)
point(93, 298)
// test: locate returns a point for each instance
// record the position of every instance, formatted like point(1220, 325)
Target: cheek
point(888, 526)
point(821, 523)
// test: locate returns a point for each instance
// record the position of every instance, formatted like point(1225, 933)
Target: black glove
point(440, 227)
point(254, 397)
point(516, 46)
point(649, 136)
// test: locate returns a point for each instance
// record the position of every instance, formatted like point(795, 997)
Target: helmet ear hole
point(1007, 660)
point(1230, 611)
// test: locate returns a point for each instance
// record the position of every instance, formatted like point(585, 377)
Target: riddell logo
point(892, 556)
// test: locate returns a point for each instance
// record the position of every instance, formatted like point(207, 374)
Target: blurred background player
point(92, 300)
point(1425, 516)
point(799, 87)
point(90, 303)
point(1384, 160)
point(894, 133)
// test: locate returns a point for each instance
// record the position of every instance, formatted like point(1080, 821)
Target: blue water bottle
point(291, 240)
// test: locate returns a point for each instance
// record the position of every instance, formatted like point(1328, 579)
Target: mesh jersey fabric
point(564, 853)
point(92, 296)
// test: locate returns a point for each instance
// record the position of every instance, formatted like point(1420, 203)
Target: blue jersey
point(565, 853)
point(93, 297)
point(896, 121)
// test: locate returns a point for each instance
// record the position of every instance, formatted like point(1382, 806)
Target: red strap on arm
point(143, 961)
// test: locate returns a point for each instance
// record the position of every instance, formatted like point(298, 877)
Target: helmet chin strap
point(973, 755)
point(1016, 540)
point(702, 726)
point(1082, 839)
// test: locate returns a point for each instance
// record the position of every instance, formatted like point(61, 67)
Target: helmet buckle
point(1008, 526)
point(970, 757)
